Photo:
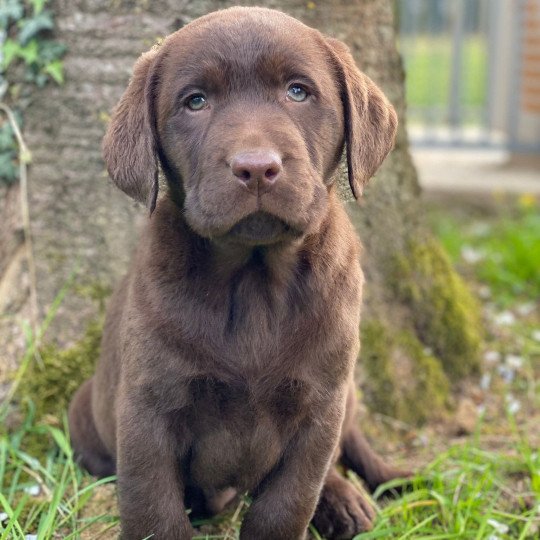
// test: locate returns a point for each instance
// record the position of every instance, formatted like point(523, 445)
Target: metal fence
point(464, 65)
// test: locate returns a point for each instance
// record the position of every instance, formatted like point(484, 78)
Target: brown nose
point(258, 170)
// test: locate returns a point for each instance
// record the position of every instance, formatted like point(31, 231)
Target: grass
point(44, 495)
point(428, 67)
point(504, 253)
point(466, 492)
point(486, 486)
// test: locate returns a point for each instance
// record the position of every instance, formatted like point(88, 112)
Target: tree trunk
point(420, 325)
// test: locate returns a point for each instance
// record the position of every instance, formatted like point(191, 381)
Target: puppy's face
point(247, 110)
point(248, 115)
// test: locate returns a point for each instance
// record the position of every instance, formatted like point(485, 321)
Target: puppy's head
point(247, 110)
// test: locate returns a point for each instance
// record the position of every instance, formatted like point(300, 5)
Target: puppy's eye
point(297, 93)
point(196, 102)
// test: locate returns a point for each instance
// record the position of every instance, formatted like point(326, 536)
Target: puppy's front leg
point(286, 499)
point(150, 489)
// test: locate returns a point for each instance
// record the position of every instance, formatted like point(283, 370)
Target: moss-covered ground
point(476, 455)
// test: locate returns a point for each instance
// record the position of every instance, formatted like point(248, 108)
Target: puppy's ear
point(370, 119)
point(129, 146)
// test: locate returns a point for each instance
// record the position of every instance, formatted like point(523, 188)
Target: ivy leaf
point(29, 53)
point(56, 70)
point(50, 50)
point(39, 79)
point(7, 138)
point(30, 28)
point(8, 170)
point(10, 49)
point(10, 10)
point(38, 6)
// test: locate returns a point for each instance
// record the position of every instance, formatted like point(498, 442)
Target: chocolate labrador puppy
point(228, 352)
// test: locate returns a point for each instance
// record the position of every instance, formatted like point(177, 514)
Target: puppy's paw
point(342, 512)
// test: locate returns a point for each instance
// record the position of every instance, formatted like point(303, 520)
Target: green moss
point(376, 359)
point(445, 315)
point(96, 291)
point(50, 384)
point(403, 380)
point(427, 396)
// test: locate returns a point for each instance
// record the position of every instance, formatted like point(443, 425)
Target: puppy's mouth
point(261, 228)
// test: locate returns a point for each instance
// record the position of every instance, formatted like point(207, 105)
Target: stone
point(466, 417)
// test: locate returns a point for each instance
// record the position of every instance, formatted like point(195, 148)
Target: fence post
point(454, 110)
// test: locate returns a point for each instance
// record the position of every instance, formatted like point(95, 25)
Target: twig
point(25, 157)
point(39, 480)
point(394, 422)
point(234, 520)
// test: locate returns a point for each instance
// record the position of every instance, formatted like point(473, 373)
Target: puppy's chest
point(238, 404)
point(242, 427)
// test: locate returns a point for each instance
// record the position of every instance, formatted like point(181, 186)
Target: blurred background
point(473, 92)
point(450, 360)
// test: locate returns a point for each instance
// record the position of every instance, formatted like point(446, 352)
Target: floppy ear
point(370, 119)
point(129, 147)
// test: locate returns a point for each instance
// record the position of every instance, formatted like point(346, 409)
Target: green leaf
point(39, 79)
point(38, 6)
point(13, 515)
point(60, 440)
point(10, 10)
point(8, 170)
point(7, 138)
point(50, 50)
point(11, 50)
point(30, 28)
point(29, 53)
point(56, 71)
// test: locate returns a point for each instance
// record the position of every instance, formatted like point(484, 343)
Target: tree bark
point(81, 224)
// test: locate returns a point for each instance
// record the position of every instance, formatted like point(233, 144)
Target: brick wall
point(530, 88)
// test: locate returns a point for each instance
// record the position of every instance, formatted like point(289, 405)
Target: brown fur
point(228, 352)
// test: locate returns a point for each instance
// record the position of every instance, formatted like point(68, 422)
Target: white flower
point(3, 516)
point(471, 255)
point(480, 228)
point(32, 490)
point(501, 528)
point(526, 309)
point(514, 361)
point(484, 292)
point(492, 357)
point(506, 373)
point(512, 404)
point(536, 335)
point(505, 318)
point(485, 381)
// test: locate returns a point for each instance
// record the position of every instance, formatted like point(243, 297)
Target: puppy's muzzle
point(261, 228)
